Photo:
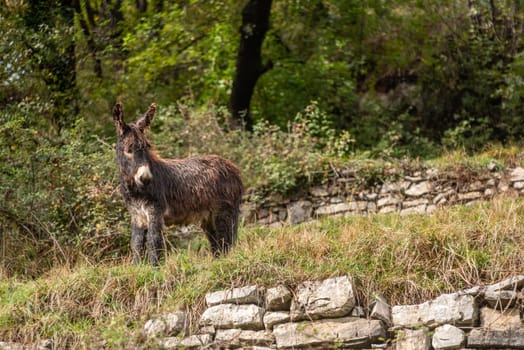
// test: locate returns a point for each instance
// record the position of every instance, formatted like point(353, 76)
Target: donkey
point(159, 192)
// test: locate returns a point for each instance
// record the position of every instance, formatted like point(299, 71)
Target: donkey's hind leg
point(222, 231)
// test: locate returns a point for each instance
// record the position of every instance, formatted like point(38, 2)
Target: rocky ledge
point(327, 314)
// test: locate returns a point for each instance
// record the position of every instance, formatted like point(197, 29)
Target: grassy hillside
point(405, 258)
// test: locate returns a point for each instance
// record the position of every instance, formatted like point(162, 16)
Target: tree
point(87, 23)
point(249, 66)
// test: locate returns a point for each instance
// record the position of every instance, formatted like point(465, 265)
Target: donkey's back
point(199, 188)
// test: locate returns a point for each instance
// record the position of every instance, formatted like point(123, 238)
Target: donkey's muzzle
point(143, 175)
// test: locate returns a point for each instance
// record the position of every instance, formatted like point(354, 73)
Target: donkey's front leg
point(154, 239)
point(138, 239)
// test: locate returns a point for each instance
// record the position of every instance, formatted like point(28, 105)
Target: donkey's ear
point(118, 117)
point(145, 120)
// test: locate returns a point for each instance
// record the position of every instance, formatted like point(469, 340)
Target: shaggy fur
point(203, 190)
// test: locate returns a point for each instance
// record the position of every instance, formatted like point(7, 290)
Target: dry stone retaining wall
point(420, 192)
point(327, 315)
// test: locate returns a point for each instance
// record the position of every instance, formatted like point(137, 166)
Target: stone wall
point(326, 315)
point(415, 192)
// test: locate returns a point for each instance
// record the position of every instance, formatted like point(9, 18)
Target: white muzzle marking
point(142, 174)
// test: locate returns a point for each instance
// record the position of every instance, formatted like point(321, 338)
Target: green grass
point(407, 259)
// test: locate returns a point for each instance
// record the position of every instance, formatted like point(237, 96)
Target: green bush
point(60, 199)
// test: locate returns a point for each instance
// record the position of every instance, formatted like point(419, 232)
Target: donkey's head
point(133, 149)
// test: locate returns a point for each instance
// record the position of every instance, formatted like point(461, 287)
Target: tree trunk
point(141, 5)
point(249, 67)
point(112, 12)
point(90, 40)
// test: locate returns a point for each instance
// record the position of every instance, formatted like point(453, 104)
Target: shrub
point(59, 196)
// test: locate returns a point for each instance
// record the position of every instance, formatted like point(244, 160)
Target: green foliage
point(512, 95)
point(464, 77)
point(59, 195)
point(37, 60)
point(441, 72)
point(388, 79)
point(186, 49)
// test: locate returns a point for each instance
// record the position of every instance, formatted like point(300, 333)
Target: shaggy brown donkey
point(203, 190)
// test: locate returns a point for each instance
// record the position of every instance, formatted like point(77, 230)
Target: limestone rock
point(370, 196)
point(443, 197)
point(278, 298)
point(42, 345)
point(476, 186)
point(319, 191)
point(360, 206)
point(334, 200)
point(332, 297)
point(46, 344)
point(328, 333)
point(408, 339)
point(248, 316)
point(381, 310)
point(419, 189)
point(415, 203)
point(500, 320)
point(272, 318)
point(388, 209)
point(243, 295)
point(517, 174)
point(196, 341)
point(241, 338)
point(11, 346)
point(207, 330)
point(332, 209)
point(421, 209)
point(503, 186)
point(413, 178)
point(489, 338)
point(388, 201)
point(169, 343)
point(299, 211)
point(169, 324)
point(501, 299)
point(431, 208)
point(518, 185)
point(456, 308)
point(489, 192)
point(492, 166)
point(371, 207)
point(391, 187)
point(511, 283)
point(448, 337)
point(469, 196)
